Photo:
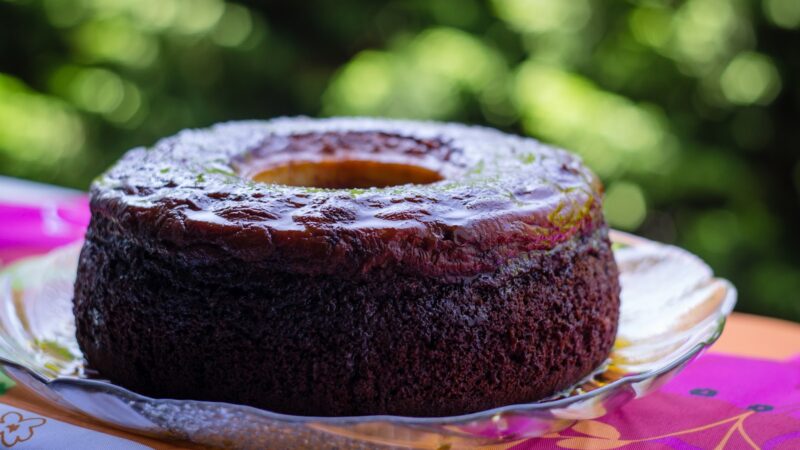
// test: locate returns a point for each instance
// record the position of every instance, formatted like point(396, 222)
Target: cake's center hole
point(347, 160)
point(346, 174)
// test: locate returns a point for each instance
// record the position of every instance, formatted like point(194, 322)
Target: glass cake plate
point(672, 309)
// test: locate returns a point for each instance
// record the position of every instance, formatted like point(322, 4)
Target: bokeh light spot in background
point(151, 15)
point(34, 127)
point(624, 205)
point(420, 78)
point(610, 132)
point(234, 27)
point(362, 86)
point(783, 13)
point(544, 15)
point(130, 110)
point(97, 90)
point(705, 31)
point(750, 78)
point(91, 89)
point(198, 16)
point(116, 40)
point(651, 24)
point(457, 56)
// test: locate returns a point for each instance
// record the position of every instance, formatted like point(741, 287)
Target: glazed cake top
point(490, 197)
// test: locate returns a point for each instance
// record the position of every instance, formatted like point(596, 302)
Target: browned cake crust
point(495, 285)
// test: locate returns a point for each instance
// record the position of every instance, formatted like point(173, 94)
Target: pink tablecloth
point(35, 218)
point(718, 402)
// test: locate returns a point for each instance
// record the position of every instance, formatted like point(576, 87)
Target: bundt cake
point(347, 266)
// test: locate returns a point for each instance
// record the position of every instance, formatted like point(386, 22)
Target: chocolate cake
point(347, 267)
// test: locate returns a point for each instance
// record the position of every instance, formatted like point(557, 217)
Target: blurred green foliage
point(688, 109)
